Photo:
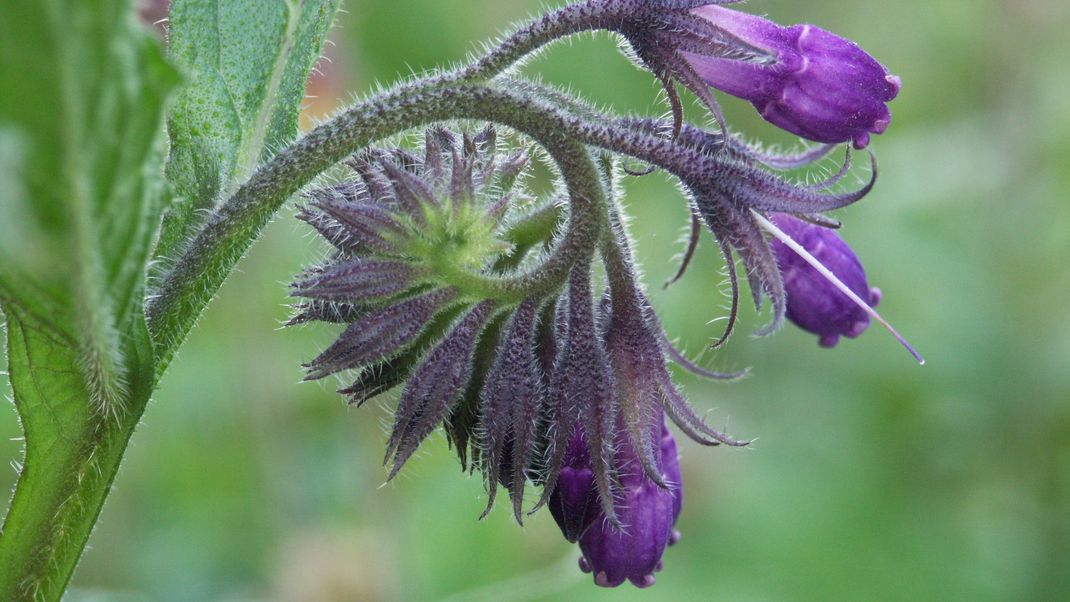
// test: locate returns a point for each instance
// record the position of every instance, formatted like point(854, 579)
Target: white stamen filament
point(827, 273)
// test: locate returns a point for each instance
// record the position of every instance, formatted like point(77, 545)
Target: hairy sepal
point(436, 384)
point(379, 334)
point(509, 410)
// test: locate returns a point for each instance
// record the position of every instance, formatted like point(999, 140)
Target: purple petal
point(821, 86)
point(813, 303)
point(647, 514)
point(574, 502)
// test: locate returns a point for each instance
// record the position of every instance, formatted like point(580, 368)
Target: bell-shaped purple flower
point(647, 514)
point(813, 303)
point(801, 78)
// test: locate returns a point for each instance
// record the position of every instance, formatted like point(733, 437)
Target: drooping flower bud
point(628, 545)
point(813, 303)
point(812, 82)
point(647, 514)
point(582, 396)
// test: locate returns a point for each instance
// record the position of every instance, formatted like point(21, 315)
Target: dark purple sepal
point(462, 425)
point(582, 392)
point(509, 170)
point(338, 235)
point(343, 192)
point(357, 280)
point(462, 185)
point(381, 376)
point(379, 334)
point(486, 146)
point(324, 311)
point(737, 227)
point(375, 181)
point(412, 192)
point(377, 379)
point(363, 225)
point(509, 408)
point(637, 357)
point(435, 385)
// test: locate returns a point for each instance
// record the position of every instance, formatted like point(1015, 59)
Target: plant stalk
point(62, 486)
point(199, 273)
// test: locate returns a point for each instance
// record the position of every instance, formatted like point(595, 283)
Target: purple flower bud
point(647, 514)
point(813, 83)
point(814, 303)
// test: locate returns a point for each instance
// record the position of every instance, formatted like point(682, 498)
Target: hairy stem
point(552, 26)
point(201, 270)
point(592, 15)
point(188, 287)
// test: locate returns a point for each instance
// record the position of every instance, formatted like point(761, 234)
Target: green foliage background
point(872, 479)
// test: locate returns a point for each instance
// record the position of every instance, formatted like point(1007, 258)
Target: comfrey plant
point(452, 282)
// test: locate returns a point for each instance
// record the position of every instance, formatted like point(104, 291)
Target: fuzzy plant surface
point(515, 320)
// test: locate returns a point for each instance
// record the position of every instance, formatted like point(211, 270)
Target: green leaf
point(81, 160)
point(71, 458)
point(247, 63)
point(79, 129)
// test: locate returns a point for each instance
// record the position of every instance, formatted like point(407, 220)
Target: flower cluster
point(447, 276)
point(555, 389)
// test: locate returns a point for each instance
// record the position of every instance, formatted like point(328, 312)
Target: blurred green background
point(872, 478)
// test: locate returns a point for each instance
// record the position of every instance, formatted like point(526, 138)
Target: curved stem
point(202, 268)
point(205, 263)
point(66, 508)
point(572, 19)
point(695, 157)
